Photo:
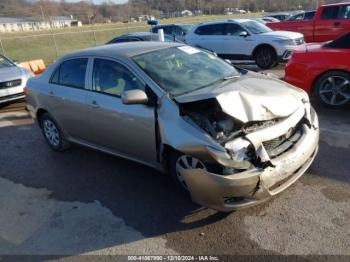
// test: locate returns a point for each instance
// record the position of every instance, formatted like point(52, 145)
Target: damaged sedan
point(230, 137)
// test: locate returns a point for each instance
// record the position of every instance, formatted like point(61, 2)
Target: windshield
point(340, 43)
point(4, 62)
point(184, 69)
point(256, 27)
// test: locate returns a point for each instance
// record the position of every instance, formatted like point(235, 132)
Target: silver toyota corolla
point(12, 80)
point(230, 137)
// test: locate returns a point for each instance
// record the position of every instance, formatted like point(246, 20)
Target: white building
point(12, 24)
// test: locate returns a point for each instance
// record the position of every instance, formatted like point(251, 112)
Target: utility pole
point(42, 13)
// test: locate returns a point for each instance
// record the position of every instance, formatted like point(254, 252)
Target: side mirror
point(243, 34)
point(133, 97)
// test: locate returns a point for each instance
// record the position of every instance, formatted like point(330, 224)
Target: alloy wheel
point(335, 90)
point(51, 132)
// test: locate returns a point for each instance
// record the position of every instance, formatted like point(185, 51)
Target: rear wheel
point(265, 57)
point(180, 162)
point(52, 133)
point(333, 89)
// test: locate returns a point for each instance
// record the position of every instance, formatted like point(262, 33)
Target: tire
point(265, 57)
point(333, 89)
point(177, 159)
point(53, 134)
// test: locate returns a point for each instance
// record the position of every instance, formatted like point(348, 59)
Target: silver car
point(13, 79)
point(230, 137)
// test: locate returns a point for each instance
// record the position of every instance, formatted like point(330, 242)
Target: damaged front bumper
point(251, 187)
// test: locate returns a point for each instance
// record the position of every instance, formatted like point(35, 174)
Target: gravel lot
point(87, 202)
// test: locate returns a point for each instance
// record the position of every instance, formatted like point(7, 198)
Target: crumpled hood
point(252, 97)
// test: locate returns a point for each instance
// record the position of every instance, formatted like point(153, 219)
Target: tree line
point(88, 13)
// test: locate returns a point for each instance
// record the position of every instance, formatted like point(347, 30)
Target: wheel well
point(39, 114)
point(165, 155)
point(263, 45)
point(313, 86)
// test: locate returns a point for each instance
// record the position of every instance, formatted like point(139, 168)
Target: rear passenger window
point(112, 78)
point(71, 73)
point(215, 29)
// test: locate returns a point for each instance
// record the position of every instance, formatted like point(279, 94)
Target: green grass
point(49, 45)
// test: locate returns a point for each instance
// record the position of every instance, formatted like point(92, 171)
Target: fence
point(53, 44)
point(50, 46)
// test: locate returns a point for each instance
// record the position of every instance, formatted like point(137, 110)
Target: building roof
point(15, 20)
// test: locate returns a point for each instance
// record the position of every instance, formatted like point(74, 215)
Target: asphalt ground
point(87, 202)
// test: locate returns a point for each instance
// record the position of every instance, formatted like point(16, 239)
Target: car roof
point(173, 24)
point(338, 4)
point(128, 49)
point(241, 20)
point(278, 13)
point(140, 34)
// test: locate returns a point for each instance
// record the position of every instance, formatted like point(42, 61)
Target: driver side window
point(112, 78)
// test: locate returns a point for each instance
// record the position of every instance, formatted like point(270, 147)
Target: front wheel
point(180, 162)
point(52, 133)
point(333, 89)
point(265, 57)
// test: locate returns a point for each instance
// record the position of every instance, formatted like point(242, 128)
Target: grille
point(278, 146)
point(299, 41)
point(9, 84)
point(5, 98)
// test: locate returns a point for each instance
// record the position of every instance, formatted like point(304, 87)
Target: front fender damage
point(248, 187)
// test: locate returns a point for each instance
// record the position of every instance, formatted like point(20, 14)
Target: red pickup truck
point(329, 22)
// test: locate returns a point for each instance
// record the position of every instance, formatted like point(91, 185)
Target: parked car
point(280, 16)
point(307, 15)
point(245, 39)
point(328, 71)
point(264, 21)
point(329, 22)
point(13, 79)
point(231, 138)
point(269, 19)
point(178, 31)
point(140, 36)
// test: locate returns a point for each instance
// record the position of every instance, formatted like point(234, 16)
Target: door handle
point(337, 24)
point(52, 94)
point(94, 104)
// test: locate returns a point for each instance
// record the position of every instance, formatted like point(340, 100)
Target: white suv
point(245, 39)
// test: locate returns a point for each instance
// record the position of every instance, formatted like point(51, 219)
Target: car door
point(334, 21)
point(234, 45)
point(210, 37)
point(67, 98)
point(128, 130)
